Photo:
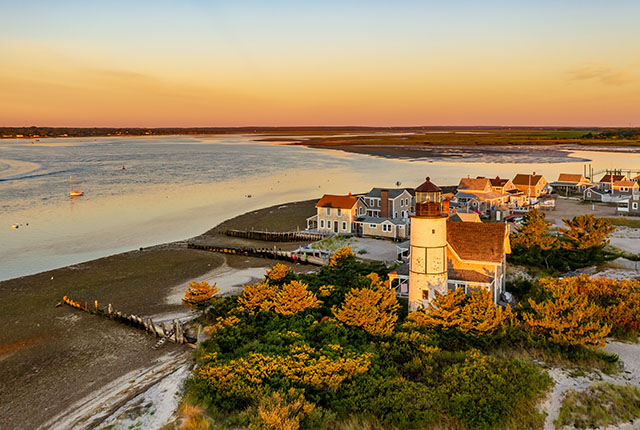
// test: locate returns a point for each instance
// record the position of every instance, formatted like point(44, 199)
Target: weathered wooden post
point(179, 336)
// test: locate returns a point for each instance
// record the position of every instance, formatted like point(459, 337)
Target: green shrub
point(601, 405)
point(483, 391)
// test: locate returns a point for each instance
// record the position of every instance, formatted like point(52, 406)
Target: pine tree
point(200, 295)
point(374, 309)
point(534, 232)
point(567, 317)
point(586, 231)
point(481, 316)
point(443, 313)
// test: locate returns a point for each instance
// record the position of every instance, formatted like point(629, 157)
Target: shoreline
point(54, 357)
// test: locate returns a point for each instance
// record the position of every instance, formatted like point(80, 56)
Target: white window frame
point(321, 223)
point(328, 211)
point(373, 225)
point(344, 226)
point(339, 212)
point(329, 224)
point(634, 205)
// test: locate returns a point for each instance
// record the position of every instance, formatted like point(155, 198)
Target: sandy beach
point(55, 360)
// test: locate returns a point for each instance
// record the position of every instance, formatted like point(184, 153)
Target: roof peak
point(428, 187)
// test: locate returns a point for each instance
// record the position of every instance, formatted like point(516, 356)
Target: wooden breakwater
point(173, 332)
point(272, 254)
point(273, 236)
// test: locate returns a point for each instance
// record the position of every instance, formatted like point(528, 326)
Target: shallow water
point(175, 187)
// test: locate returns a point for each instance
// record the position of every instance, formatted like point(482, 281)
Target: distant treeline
point(620, 133)
point(37, 132)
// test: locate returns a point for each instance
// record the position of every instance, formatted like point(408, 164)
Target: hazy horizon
point(330, 126)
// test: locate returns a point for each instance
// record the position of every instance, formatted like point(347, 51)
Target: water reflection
point(177, 187)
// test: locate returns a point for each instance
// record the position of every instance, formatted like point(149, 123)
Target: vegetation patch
point(332, 243)
point(625, 222)
point(335, 349)
point(581, 243)
point(602, 405)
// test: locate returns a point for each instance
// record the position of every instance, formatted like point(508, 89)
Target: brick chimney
point(384, 203)
point(445, 207)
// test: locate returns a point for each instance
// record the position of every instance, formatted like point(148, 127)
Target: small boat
point(72, 192)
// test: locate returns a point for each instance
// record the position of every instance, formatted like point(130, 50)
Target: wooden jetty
point(271, 236)
point(173, 333)
point(262, 253)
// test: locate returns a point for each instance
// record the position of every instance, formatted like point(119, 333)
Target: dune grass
point(626, 222)
point(603, 404)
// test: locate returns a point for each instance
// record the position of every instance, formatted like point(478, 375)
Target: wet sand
point(52, 358)
point(498, 153)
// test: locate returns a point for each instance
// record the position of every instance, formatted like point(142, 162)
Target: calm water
point(177, 187)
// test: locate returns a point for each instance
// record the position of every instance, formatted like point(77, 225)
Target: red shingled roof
point(607, 178)
point(468, 276)
point(498, 182)
point(341, 202)
point(428, 187)
point(570, 177)
point(525, 179)
point(624, 183)
point(477, 241)
point(477, 184)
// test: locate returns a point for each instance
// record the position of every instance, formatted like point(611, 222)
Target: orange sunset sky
point(208, 63)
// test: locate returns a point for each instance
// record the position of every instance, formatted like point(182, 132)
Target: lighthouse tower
point(428, 266)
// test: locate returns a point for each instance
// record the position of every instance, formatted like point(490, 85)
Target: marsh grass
point(484, 137)
point(601, 405)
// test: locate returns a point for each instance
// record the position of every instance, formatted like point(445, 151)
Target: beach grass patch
point(601, 405)
point(626, 222)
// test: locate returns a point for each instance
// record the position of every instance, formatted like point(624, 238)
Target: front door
point(335, 226)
